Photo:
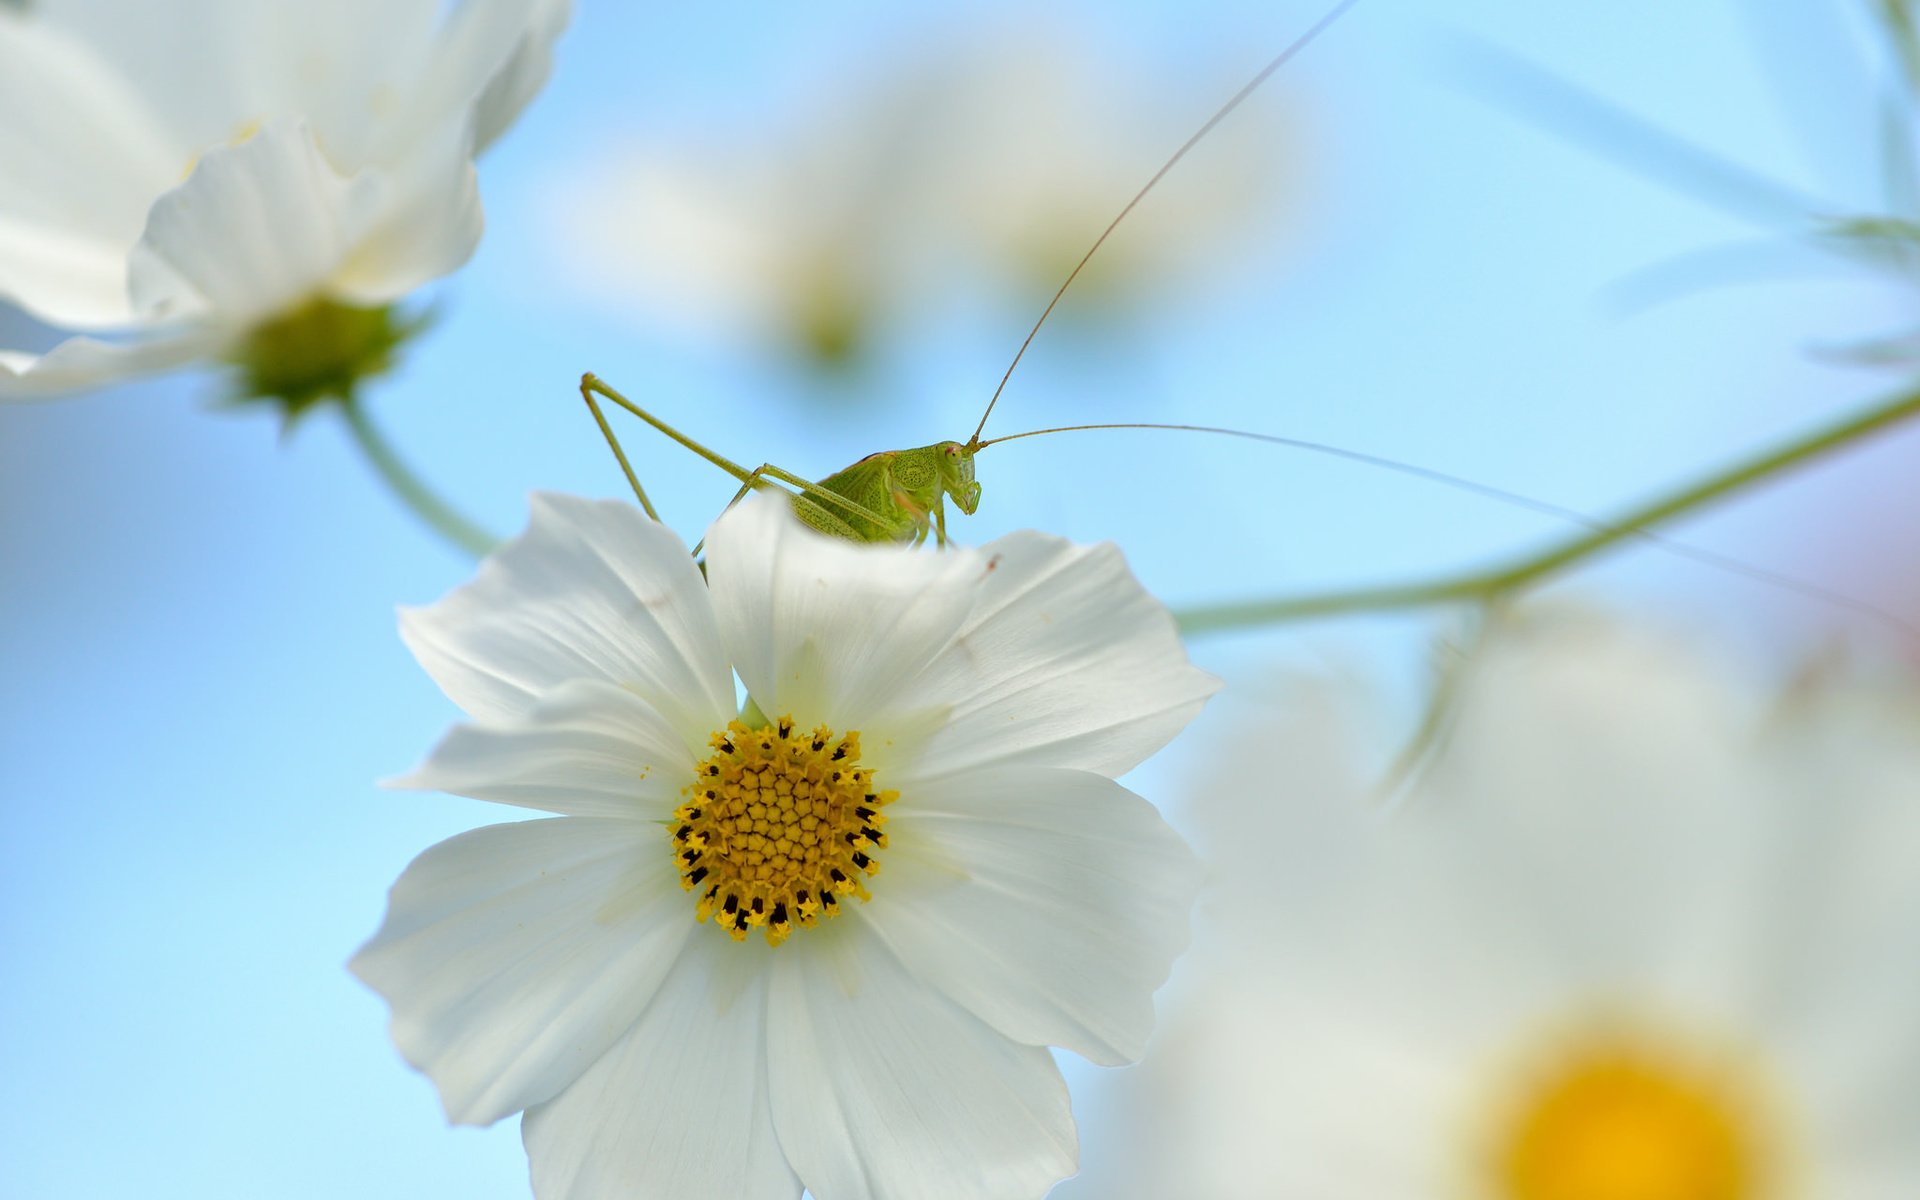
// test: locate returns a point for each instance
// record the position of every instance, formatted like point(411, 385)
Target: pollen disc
point(779, 828)
point(1612, 1121)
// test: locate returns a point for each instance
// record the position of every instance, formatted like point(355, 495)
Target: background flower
point(990, 156)
point(1643, 930)
point(955, 718)
point(219, 177)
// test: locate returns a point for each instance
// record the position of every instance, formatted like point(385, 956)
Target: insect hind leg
point(815, 514)
point(588, 385)
point(824, 509)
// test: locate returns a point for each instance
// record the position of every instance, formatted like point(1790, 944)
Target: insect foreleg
point(914, 510)
point(908, 505)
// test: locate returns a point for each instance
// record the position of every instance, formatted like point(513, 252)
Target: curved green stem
point(1498, 582)
point(1898, 18)
point(424, 502)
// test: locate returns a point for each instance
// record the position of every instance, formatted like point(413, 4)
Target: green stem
point(1487, 585)
point(1897, 16)
point(426, 504)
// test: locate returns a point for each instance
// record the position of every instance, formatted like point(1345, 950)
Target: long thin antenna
point(1279, 60)
point(1735, 566)
point(1360, 456)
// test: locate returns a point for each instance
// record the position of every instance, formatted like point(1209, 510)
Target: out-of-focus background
point(803, 236)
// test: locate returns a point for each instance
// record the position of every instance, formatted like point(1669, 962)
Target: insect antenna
point(1279, 60)
point(1459, 482)
point(1723, 562)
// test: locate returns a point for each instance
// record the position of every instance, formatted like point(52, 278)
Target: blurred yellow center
point(1617, 1124)
point(778, 829)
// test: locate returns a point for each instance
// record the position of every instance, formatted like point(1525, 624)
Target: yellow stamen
point(778, 827)
point(1616, 1121)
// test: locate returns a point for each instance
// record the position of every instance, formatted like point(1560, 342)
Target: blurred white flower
point(244, 179)
point(1644, 933)
point(995, 156)
point(956, 717)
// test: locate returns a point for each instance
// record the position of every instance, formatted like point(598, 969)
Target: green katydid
point(899, 495)
point(888, 496)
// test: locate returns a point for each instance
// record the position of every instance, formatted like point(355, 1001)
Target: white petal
point(1051, 903)
point(514, 955)
point(827, 630)
point(80, 363)
point(209, 69)
point(1831, 881)
point(677, 1109)
point(591, 590)
point(587, 749)
point(1254, 1094)
point(1065, 661)
point(429, 233)
point(64, 279)
point(352, 68)
point(82, 165)
point(523, 75)
point(1570, 743)
point(257, 228)
point(483, 45)
point(884, 1089)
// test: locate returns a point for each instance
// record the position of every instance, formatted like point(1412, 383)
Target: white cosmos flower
point(957, 718)
point(992, 154)
point(1647, 932)
point(185, 172)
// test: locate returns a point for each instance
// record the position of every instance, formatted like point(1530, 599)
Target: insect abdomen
point(866, 484)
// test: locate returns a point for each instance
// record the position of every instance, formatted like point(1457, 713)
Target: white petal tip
point(416, 780)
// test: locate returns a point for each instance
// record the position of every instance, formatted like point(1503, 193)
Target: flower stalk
point(1502, 582)
point(410, 489)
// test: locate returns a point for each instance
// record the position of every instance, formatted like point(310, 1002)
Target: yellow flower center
point(1618, 1123)
point(778, 829)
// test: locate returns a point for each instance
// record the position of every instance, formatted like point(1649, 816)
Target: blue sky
point(202, 679)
